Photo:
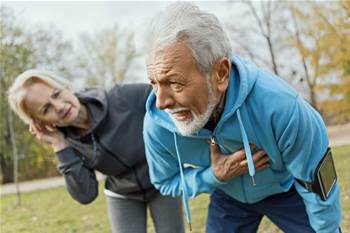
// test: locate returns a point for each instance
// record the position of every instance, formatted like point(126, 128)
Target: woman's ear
point(223, 67)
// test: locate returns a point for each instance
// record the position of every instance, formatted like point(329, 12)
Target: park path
point(339, 136)
point(38, 184)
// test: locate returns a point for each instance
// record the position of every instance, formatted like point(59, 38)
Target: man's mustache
point(176, 110)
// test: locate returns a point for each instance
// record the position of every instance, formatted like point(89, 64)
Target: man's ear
point(222, 73)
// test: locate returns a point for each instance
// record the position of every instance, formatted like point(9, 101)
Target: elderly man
point(203, 93)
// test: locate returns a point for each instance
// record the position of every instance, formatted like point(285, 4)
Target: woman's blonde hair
point(18, 89)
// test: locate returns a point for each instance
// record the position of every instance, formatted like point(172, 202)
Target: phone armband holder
point(325, 177)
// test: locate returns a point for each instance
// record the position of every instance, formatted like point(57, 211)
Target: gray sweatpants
point(130, 216)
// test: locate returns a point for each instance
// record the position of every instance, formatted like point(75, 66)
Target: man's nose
point(164, 98)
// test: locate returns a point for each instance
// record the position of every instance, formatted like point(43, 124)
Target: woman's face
point(51, 106)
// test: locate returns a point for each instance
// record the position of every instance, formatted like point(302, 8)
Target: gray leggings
point(130, 216)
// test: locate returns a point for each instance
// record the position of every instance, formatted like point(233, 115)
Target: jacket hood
point(243, 75)
point(242, 79)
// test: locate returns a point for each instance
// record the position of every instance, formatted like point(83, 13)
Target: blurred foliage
point(103, 60)
point(20, 50)
point(303, 42)
point(259, 35)
point(106, 56)
point(338, 36)
point(324, 45)
point(306, 41)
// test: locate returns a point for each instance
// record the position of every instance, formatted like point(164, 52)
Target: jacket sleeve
point(81, 181)
point(164, 167)
point(302, 140)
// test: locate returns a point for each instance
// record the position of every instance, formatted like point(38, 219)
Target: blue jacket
point(261, 109)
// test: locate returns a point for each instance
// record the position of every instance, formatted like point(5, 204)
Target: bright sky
point(74, 18)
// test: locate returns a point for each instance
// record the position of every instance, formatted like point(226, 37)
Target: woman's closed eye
point(56, 93)
point(46, 109)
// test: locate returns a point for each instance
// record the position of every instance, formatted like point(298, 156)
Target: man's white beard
point(197, 122)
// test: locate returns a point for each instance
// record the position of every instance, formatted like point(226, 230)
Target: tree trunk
point(15, 156)
point(313, 99)
point(6, 176)
point(273, 56)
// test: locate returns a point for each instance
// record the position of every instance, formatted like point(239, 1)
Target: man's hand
point(226, 167)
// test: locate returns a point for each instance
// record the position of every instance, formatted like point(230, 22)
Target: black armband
point(324, 179)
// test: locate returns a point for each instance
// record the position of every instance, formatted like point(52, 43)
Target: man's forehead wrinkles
point(159, 68)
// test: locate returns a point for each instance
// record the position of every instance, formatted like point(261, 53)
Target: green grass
point(53, 210)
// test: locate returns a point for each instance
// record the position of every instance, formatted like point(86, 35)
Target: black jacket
point(113, 145)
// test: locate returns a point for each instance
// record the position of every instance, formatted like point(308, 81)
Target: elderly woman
point(97, 130)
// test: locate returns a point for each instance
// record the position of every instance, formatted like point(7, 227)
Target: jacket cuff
point(67, 156)
point(210, 179)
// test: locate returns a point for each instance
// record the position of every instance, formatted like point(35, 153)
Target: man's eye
point(154, 85)
point(176, 86)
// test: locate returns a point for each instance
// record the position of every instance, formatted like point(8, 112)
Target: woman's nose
point(58, 105)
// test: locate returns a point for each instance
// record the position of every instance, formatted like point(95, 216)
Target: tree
point(338, 61)
point(259, 34)
point(106, 56)
point(306, 40)
point(322, 38)
point(21, 49)
point(305, 43)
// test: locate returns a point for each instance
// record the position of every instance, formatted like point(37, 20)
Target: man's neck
point(219, 109)
point(216, 115)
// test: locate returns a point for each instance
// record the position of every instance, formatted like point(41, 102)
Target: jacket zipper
point(213, 142)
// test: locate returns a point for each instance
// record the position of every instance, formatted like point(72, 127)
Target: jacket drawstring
point(251, 168)
point(184, 187)
point(248, 152)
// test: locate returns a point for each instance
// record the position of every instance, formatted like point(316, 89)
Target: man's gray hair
point(201, 31)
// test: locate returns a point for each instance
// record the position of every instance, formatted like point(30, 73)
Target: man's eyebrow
point(164, 78)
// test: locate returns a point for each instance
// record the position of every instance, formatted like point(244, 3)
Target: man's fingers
point(238, 155)
point(260, 158)
point(214, 152)
point(258, 155)
point(252, 146)
point(262, 162)
point(262, 167)
point(244, 163)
